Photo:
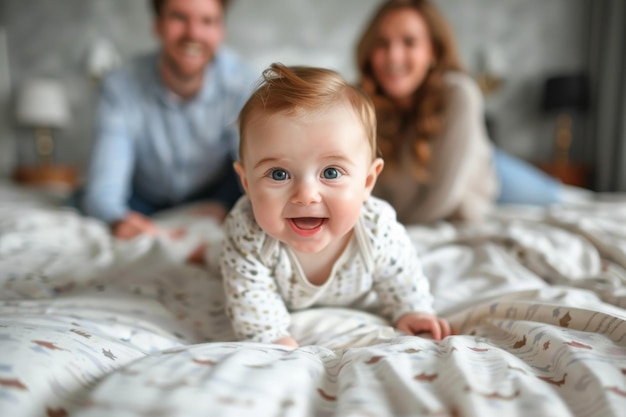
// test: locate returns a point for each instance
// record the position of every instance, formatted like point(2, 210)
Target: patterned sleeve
point(398, 277)
point(253, 303)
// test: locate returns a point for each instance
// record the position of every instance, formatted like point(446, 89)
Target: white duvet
point(90, 326)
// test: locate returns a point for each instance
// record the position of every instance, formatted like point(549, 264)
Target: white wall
point(299, 32)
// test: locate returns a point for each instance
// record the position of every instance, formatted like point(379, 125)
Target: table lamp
point(102, 58)
point(565, 95)
point(42, 106)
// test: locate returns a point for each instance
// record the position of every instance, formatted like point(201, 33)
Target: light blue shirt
point(152, 144)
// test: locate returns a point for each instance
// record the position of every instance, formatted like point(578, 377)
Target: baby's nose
point(306, 192)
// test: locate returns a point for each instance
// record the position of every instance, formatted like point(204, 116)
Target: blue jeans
point(523, 183)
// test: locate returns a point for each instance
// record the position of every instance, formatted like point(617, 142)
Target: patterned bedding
point(90, 326)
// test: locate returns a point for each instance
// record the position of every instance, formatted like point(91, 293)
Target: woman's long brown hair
point(427, 111)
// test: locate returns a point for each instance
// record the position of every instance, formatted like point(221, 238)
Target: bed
point(90, 326)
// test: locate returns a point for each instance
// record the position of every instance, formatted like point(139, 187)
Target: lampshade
point(566, 92)
point(102, 58)
point(42, 103)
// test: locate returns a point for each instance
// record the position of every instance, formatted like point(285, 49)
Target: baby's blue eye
point(331, 173)
point(279, 175)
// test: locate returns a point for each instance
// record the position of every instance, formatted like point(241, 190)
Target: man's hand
point(134, 224)
point(415, 323)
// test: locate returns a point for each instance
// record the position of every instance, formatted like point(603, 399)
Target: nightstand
point(47, 175)
point(570, 173)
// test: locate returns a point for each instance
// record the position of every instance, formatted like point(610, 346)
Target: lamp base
point(47, 175)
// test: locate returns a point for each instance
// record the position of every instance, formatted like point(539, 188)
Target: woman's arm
point(459, 152)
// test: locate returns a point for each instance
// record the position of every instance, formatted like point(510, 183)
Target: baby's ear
point(374, 170)
point(238, 166)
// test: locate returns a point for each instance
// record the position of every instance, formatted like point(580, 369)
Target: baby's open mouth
point(308, 223)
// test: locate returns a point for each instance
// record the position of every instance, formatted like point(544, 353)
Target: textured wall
point(532, 39)
point(51, 39)
point(7, 148)
point(527, 38)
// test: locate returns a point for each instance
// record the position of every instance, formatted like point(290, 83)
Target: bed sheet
point(91, 326)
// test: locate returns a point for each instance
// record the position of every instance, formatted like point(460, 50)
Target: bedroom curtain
point(608, 77)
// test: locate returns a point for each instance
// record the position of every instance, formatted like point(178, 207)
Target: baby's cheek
point(270, 221)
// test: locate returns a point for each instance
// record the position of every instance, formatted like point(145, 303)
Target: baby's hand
point(415, 323)
point(287, 341)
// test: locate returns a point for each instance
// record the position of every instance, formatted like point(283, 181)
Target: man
point(166, 127)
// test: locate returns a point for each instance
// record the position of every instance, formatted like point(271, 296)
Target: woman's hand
point(416, 323)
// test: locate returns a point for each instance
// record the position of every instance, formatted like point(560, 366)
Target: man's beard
point(180, 74)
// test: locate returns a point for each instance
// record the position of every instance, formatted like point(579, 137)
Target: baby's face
point(308, 176)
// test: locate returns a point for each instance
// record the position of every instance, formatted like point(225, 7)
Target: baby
point(307, 232)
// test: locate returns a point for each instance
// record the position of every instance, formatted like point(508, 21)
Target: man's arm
point(112, 161)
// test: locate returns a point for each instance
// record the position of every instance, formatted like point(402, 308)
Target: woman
point(439, 162)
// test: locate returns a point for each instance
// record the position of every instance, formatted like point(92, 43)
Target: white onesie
point(263, 280)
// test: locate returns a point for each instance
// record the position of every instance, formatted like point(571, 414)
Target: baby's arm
point(399, 281)
point(256, 309)
point(415, 323)
point(253, 301)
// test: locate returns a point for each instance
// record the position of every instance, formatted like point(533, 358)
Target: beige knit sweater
point(462, 181)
